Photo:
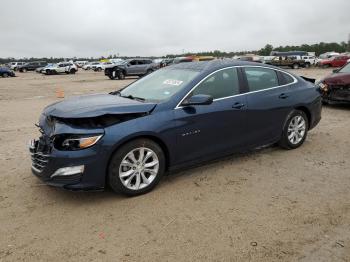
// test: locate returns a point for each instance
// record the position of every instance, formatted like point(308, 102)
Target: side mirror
point(198, 100)
point(335, 70)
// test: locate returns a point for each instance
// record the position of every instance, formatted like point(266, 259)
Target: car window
point(133, 62)
point(140, 62)
point(260, 78)
point(220, 84)
point(287, 79)
point(345, 69)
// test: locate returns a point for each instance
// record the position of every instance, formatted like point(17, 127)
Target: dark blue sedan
point(175, 117)
point(6, 72)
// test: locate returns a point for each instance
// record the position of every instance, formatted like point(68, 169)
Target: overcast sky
point(67, 28)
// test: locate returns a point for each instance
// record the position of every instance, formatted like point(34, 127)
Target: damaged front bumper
point(336, 94)
point(73, 170)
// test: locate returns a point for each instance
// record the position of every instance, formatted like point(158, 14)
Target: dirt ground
point(268, 205)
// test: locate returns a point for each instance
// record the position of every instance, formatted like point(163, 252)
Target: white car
point(101, 66)
point(309, 60)
point(88, 66)
point(14, 65)
point(62, 67)
point(81, 63)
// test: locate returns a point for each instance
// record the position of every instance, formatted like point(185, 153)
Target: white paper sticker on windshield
point(172, 82)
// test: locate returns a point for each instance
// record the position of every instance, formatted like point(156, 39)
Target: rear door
point(132, 67)
point(268, 103)
point(210, 130)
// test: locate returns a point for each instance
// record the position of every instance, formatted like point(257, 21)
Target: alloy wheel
point(296, 129)
point(139, 168)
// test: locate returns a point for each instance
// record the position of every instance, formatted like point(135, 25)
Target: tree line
point(318, 48)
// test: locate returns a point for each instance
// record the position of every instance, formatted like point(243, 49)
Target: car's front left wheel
point(136, 167)
point(295, 130)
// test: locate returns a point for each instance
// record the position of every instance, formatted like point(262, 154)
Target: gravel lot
point(268, 205)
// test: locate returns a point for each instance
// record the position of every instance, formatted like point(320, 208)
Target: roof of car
point(215, 64)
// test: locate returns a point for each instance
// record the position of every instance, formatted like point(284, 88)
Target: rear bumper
point(316, 113)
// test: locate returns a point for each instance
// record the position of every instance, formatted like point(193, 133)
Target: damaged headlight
point(323, 86)
point(75, 142)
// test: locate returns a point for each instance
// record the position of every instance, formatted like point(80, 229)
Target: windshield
point(160, 85)
point(345, 69)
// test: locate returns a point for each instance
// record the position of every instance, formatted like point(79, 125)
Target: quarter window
point(260, 78)
point(287, 79)
point(221, 84)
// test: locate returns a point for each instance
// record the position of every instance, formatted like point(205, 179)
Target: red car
point(336, 87)
point(334, 61)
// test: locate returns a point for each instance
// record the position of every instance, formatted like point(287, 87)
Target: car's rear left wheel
point(295, 130)
point(136, 167)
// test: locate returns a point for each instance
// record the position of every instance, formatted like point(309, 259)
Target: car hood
point(96, 105)
point(338, 79)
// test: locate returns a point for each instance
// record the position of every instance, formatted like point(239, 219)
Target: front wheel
point(136, 168)
point(72, 71)
point(5, 75)
point(24, 70)
point(121, 75)
point(295, 130)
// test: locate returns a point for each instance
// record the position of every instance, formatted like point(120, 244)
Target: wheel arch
point(307, 113)
point(151, 137)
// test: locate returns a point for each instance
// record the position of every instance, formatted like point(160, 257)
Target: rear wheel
point(99, 69)
point(295, 130)
point(5, 75)
point(307, 65)
point(295, 66)
point(72, 71)
point(136, 168)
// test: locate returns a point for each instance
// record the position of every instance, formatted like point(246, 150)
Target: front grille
point(40, 154)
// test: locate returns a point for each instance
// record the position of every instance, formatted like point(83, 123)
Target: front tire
point(136, 168)
point(121, 75)
point(295, 130)
point(72, 71)
point(5, 75)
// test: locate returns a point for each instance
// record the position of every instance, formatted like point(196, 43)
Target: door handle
point(238, 105)
point(283, 96)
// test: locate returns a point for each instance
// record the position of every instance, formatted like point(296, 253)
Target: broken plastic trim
point(99, 121)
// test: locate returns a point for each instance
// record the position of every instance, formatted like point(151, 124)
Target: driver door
point(206, 131)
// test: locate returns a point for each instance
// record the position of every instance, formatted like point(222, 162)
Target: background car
point(101, 66)
point(6, 72)
point(131, 67)
point(62, 67)
point(293, 61)
point(178, 116)
point(14, 65)
point(336, 87)
point(31, 66)
point(334, 61)
point(89, 65)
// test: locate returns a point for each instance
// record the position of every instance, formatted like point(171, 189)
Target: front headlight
point(76, 142)
point(323, 86)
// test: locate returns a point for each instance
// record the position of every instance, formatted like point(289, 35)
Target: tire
point(149, 71)
point(121, 75)
point(99, 69)
point(292, 126)
point(295, 66)
point(135, 180)
point(48, 72)
point(24, 70)
point(5, 75)
point(112, 75)
point(325, 102)
point(307, 65)
point(72, 71)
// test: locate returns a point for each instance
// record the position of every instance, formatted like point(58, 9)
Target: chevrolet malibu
point(178, 116)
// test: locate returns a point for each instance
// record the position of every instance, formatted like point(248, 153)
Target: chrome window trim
point(251, 92)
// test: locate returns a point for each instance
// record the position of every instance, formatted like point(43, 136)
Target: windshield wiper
point(128, 96)
point(133, 97)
